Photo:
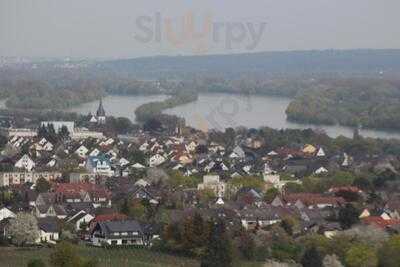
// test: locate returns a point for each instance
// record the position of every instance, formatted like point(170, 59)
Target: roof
point(111, 227)
point(313, 199)
point(49, 225)
point(380, 222)
point(110, 217)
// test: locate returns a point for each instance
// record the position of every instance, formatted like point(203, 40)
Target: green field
point(14, 257)
point(121, 257)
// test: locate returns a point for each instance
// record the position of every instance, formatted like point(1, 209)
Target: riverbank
point(154, 109)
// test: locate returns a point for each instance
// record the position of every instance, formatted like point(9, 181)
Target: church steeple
point(101, 113)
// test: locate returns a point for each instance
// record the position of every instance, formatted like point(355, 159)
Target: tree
point(219, 248)
point(270, 195)
point(311, 258)
point(23, 229)
point(64, 133)
point(125, 209)
point(389, 254)
point(36, 263)
point(42, 185)
point(65, 255)
point(348, 215)
point(247, 246)
point(361, 256)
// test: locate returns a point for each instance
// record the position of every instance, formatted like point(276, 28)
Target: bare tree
point(23, 229)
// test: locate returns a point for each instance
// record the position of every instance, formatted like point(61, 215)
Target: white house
point(48, 230)
point(99, 165)
point(321, 170)
point(237, 153)
point(213, 183)
point(5, 213)
point(25, 163)
point(156, 160)
point(82, 151)
point(321, 152)
point(117, 233)
point(80, 219)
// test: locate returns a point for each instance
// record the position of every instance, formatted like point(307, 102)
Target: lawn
point(13, 257)
point(120, 257)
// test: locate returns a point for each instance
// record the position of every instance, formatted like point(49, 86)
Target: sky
point(135, 28)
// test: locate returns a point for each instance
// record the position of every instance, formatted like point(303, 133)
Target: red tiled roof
point(110, 217)
point(379, 221)
point(353, 189)
point(313, 199)
point(75, 189)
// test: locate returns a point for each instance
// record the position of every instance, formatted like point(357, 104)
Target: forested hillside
point(300, 62)
point(367, 103)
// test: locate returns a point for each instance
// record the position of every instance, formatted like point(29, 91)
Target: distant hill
point(295, 62)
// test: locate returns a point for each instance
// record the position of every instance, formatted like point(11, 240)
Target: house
point(237, 153)
point(83, 192)
point(311, 200)
point(320, 153)
point(82, 177)
point(212, 182)
point(80, 220)
point(50, 210)
point(6, 213)
point(117, 233)
point(321, 170)
point(257, 217)
point(156, 160)
point(25, 163)
point(48, 230)
point(99, 165)
point(17, 178)
point(82, 151)
point(309, 149)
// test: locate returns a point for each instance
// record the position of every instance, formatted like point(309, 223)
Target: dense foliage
point(367, 103)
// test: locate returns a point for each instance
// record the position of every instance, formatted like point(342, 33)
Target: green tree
point(65, 255)
point(42, 185)
point(219, 251)
point(270, 195)
point(312, 258)
point(389, 254)
point(361, 256)
point(348, 215)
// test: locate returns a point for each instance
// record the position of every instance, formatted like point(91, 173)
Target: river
point(219, 111)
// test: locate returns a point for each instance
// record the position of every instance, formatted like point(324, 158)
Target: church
point(100, 116)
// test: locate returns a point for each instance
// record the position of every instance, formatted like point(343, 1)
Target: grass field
point(124, 257)
point(13, 257)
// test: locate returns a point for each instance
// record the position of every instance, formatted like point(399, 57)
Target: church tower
point(101, 114)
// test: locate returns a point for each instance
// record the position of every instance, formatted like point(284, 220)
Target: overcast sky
point(110, 29)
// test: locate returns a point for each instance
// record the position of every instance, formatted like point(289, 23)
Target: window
point(114, 242)
point(124, 241)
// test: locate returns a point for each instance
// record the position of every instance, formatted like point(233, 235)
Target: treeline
point(154, 109)
point(60, 89)
point(293, 62)
point(367, 103)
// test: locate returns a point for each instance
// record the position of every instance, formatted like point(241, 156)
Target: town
point(275, 193)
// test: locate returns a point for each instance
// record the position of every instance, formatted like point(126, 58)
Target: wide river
point(219, 111)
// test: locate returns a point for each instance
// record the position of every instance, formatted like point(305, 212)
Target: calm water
point(118, 106)
point(219, 111)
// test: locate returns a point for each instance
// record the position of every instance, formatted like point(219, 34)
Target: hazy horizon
point(136, 28)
